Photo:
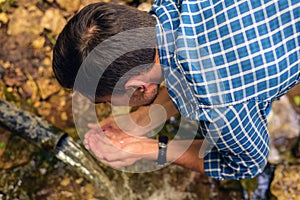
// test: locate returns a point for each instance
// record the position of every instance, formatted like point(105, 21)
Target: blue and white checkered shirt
point(224, 62)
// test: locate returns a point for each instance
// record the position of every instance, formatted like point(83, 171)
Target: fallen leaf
point(64, 116)
point(44, 108)
point(65, 182)
point(47, 87)
point(53, 20)
point(3, 18)
point(38, 43)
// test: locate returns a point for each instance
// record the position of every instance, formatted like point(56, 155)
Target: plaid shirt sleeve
point(238, 138)
point(224, 62)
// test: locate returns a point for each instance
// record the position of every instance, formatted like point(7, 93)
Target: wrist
point(145, 124)
point(150, 148)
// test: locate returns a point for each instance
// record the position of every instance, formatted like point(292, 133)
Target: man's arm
point(117, 149)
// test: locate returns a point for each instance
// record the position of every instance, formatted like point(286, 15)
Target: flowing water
point(81, 161)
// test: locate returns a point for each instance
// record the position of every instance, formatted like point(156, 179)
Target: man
point(223, 63)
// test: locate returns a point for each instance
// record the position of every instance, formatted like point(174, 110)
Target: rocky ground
point(28, 30)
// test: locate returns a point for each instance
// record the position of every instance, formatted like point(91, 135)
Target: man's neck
point(156, 74)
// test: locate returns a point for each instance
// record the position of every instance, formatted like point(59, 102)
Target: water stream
point(81, 161)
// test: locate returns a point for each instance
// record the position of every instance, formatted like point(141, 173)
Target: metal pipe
point(29, 126)
point(41, 133)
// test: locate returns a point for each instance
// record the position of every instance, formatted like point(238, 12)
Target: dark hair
point(85, 31)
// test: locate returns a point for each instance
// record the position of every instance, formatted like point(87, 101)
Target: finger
point(118, 164)
point(96, 127)
point(86, 140)
point(86, 145)
point(90, 132)
point(102, 144)
point(98, 140)
point(93, 126)
point(104, 153)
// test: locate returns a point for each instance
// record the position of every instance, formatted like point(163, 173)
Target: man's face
point(133, 97)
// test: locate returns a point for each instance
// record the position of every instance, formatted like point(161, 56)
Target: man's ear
point(135, 83)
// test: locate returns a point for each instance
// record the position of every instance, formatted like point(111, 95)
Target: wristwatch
point(162, 150)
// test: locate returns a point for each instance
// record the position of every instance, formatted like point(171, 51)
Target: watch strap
point(162, 150)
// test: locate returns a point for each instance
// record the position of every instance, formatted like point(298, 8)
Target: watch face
point(162, 145)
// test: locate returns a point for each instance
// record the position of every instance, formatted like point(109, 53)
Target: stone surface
point(25, 21)
point(69, 5)
point(286, 182)
point(53, 20)
point(283, 125)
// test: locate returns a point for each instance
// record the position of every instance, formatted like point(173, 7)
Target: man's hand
point(145, 118)
point(125, 123)
point(116, 148)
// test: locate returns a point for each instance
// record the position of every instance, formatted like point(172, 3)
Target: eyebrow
point(98, 102)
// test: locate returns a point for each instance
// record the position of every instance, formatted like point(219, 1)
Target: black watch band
point(162, 150)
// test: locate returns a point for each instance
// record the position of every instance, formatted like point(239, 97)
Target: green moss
point(7, 4)
point(297, 100)
point(2, 145)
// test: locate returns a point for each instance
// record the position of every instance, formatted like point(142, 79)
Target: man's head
point(115, 75)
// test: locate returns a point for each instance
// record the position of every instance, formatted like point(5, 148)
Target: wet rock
point(25, 21)
point(69, 5)
point(286, 182)
point(274, 155)
point(283, 125)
